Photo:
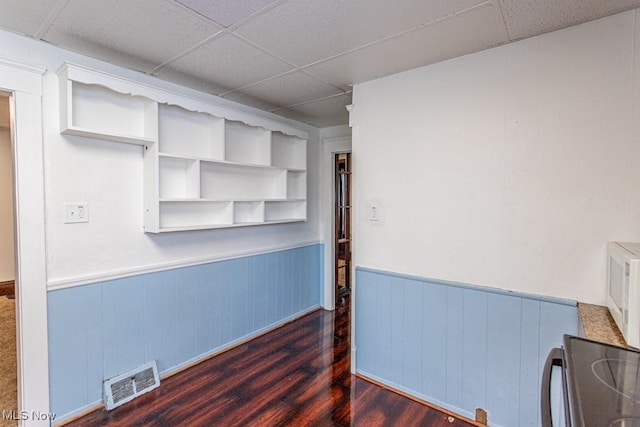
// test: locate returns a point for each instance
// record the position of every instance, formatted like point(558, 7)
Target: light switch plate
point(374, 213)
point(76, 212)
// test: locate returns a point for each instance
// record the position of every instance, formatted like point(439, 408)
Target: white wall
point(334, 132)
point(108, 176)
point(508, 168)
point(7, 260)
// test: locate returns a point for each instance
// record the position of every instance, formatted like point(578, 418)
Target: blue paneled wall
point(175, 317)
point(457, 346)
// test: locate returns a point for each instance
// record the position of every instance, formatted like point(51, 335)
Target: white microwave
point(623, 295)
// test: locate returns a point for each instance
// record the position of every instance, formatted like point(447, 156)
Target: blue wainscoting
point(175, 317)
point(458, 346)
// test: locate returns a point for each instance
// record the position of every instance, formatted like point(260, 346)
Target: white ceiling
point(296, 58)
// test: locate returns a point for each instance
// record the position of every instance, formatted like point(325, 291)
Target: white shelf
point(227, 181)
point(285, 210)
point(247, 144)
point(218, 226)
point(248, 212)
point(189, 134)
point(222, 162)
point(296, 185)
point(188, 214)
point(179, 178)
point(205, 167)
point(289, 152)
point(96, 112)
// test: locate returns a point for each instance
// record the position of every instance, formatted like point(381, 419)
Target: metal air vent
point(125, 387)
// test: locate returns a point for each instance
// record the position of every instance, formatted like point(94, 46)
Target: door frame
point(336, 209)
point(331, 147)
point(24, 84)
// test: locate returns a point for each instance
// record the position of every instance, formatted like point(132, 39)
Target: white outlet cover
point(76, 212)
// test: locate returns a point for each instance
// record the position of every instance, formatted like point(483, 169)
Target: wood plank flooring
point(7, 289)
point(8, 360)
point(297, 375)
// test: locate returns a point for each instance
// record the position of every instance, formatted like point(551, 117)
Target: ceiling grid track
point(299, 104)
point(297, 58)
point(51, 18)
point(223, 31)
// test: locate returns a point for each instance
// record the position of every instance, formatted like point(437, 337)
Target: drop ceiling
point(295, 58)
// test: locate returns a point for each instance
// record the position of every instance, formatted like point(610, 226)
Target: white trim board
point(330, 146)
point(70, 282)
point(480, 288)
point(24, 82)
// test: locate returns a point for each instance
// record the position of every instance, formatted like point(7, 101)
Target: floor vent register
point(126, 387)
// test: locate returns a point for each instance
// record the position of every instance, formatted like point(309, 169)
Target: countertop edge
point(598, 324)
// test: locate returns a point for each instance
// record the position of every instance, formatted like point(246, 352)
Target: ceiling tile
point(226, 61)
point(190, 81)
point(246, 99)
point(325, 123)
point(25, 16)
point(140, 34)
point(306, 31)
point(327, 108)
point(532, 17)
point(471, 31)
point(289, 89)
point(224, 12)
point(293, 115)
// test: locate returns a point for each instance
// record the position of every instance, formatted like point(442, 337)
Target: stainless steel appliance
point(600, 383)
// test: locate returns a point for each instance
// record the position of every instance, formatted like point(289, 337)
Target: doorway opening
point(342, 221)
point(8, 331)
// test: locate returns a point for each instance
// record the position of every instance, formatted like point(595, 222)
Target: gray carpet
point(8, 364)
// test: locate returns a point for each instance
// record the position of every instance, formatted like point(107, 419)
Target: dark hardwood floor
point(297, 375)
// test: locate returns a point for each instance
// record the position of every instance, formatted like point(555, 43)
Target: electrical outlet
point(76, 212)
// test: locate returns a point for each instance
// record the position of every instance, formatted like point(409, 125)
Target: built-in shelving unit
point(93, 111)
point(204, 167)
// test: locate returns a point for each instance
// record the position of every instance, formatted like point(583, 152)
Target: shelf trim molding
point(173, 229)
point(228, 163)
point(87, 279)
point(126, 86)
point(127, 139)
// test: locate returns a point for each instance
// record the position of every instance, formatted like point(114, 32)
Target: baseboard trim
point(419, 400)
point(233, 344)
point(85, 410)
